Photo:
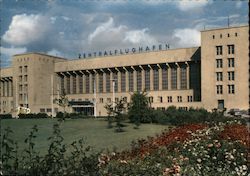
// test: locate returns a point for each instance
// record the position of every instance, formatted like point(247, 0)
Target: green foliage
point(63, 102)
point(139, 108)
point(5, 116)
point(33, 116)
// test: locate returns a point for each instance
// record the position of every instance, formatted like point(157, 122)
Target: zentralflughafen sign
point(124, 51)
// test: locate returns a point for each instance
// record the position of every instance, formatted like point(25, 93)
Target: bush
point(33, 116)
point(5, 116)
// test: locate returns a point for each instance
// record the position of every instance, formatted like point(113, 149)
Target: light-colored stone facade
point(187, 77)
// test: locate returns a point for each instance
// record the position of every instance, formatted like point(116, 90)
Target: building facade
point(214, 75)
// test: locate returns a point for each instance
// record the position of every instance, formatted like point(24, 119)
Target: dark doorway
point(220, 104)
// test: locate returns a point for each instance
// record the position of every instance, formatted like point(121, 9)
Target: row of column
point(93, 75)
point(6, 87)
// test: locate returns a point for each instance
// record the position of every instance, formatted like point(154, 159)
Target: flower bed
point(194, 149)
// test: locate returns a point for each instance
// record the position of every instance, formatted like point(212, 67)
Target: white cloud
point(186, 5)
point(25, 29)
point(108, 36)
point(12, 51)
point(238, 4)
point(139, 36)
point(187, 37)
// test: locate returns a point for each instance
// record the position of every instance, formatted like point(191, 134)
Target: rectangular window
point(131, 81)
point(20, 69)
point(219, 76)
point(231, 75)
point(219, 89)
point(123, 81)
point(151, 99)
point(139, 80)
point(231, 89)
point(101, 100)
point(174, 78)
point(49, 110)
point(100, 82)
point(74, 84)
point(183, 77)
point(80, 84)
point(230, 62)
point(147, 79)
point(164, 78)
point(68, 85)
point(87, 84)
point(20, 78)
point(179, 98)
point(190, 98)
point(160, 99)
point(42, 110)
point(169, 99)
point(25, 69)
point(25, 78)
point(219, 63)
point(156, 78)
point(109, 100)
point(230, 49)
point(108, 82)
point(93, 83)
point(115, 78)
point(20, 88)
point(62, 83)
point(218, 50)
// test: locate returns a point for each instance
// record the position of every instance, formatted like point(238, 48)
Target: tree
point(117, 111)
point(109, 109)
point(139, 108)
point(63, 102)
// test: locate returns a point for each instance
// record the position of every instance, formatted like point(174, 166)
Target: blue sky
point(68, 27)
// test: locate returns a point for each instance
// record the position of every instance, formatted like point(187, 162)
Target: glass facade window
point(230, 62)
point(100, 83)
point(219, 63)
point(115, 78)
point(219, 76)
point(131, 81)
point(108, 82)
point(231, 75)
point(62, 84)
point(219, 50)
point(139, 80)
point(68, 85)
point(156, 78)
point(183, 77)
point(123, 81)
point(80, 84)
point(219, 89)
point(147, 79)
point(164, 78)
point(174, 78)
point(74, 84)
point(87, 84)
point(230, 49)
point(93, 83)
point(231, 89)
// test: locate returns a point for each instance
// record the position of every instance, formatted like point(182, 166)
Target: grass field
point(94, 131)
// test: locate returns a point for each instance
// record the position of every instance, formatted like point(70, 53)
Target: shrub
point(33, 116)
point(5, 116)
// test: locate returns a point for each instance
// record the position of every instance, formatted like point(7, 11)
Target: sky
point(66, 28)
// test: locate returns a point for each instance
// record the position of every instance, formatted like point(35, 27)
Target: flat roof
point(230, 27)
point(40, 54)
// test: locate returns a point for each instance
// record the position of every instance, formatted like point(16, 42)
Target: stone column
point(119, 86)
point(127, 80)
point(104, 82)
point(188, 76)
point(91, 88)
point(84, 83)
point(77, 84)
point(135, 79)
point(97, 82)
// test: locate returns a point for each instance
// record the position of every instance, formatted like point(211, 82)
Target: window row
point(231, 89)
point(228, 35)
point(159, 99)
point(23, 69)
point(230, 49)
point(86, 83)
point(230, 75)
point(230, 63)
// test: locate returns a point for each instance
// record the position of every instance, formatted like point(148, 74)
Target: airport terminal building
point(213, 76)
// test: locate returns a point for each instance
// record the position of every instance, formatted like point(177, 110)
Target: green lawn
point(94, 131)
